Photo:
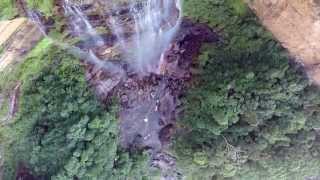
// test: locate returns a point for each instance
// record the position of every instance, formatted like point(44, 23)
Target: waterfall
point(143, 33)
point(80, 24)
point(154, 24)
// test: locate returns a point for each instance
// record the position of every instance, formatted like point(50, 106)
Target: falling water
point(154, 24)
point(80, 24)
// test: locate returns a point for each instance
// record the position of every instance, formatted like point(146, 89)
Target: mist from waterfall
point(154, 24)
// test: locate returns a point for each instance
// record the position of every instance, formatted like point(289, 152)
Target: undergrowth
point(7, 9)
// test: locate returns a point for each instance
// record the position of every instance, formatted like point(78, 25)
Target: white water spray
point(154, 24)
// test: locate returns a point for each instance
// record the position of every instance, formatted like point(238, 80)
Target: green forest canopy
point(7, 9)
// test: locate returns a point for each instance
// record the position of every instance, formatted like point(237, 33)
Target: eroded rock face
point(296, 24)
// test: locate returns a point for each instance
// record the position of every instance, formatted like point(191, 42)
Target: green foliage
point(7, 9)
point(250, 114)
point(61, 130)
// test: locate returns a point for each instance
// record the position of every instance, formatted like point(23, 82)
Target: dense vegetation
point(7, 9)
point(61, 131)
point(250, 114)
